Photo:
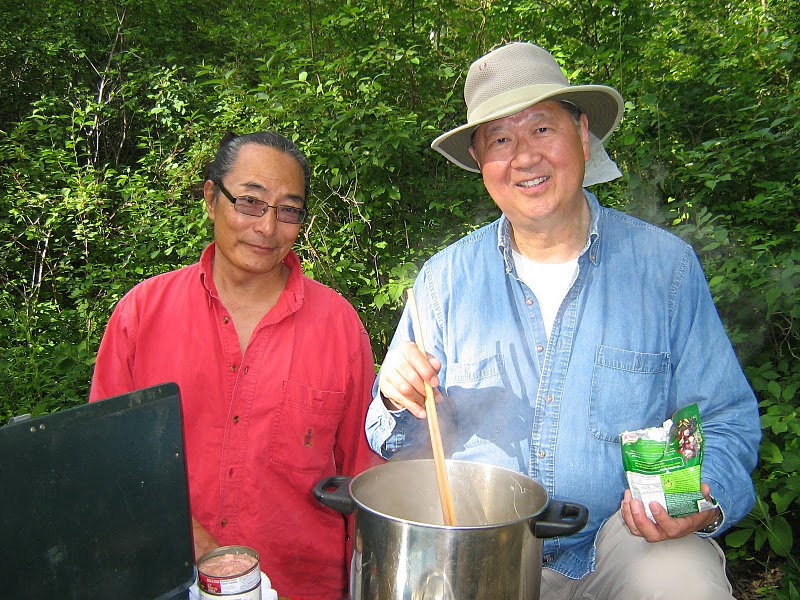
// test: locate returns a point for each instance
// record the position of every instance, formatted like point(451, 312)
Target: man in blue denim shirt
point(563, 324)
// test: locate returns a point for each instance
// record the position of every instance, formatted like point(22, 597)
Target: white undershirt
point(549, 283)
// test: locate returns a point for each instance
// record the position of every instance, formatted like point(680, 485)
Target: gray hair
point(231, 144)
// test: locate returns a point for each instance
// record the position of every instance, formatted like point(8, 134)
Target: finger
point(436, 365)
point(673, 528)
point(669, 526)
point(400, 383)
point(400, 393)
point(425, 366)
point(403, 374)
point(625, 511)
point(399, 401)
point(410, 381)
point(647, 528)
point(409, 371)
point(705, 489)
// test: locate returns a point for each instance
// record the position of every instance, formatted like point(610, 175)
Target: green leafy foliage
point(107, 120)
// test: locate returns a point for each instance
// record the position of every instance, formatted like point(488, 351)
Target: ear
point(585, 141)
point(474, 156)
point(210, 196)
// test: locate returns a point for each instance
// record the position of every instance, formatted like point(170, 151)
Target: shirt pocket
point(486, 408)
point(629, 391)
point(305, 428)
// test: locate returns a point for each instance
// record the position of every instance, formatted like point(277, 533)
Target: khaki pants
point(631, 568)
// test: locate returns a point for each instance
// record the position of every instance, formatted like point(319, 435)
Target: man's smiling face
point(533, 163)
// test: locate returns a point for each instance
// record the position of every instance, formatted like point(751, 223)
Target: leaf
point(737, 538)
point(774, 388)
point(770, 452)
point(780, 536)
point(782, 501)
point(791, 463)
point(772, 295)
point(760, 537)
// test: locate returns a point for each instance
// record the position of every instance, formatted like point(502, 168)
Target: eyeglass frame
point(302, 212)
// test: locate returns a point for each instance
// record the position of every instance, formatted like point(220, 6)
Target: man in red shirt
point(275, 372)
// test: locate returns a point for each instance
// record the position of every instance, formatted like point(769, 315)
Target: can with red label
point(229, 573)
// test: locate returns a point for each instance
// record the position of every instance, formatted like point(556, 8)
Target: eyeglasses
point(247, 205)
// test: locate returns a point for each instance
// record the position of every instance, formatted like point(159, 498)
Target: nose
point(526, 152)
point(267, 223)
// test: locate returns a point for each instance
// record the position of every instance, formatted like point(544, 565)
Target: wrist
point(715, 524)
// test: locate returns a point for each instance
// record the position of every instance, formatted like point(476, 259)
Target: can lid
point(222, 571)
point(222, 550)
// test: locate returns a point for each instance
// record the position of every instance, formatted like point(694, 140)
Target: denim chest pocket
point(629, 391)
point(305, 428)
point(486, 371)
point(486, 408)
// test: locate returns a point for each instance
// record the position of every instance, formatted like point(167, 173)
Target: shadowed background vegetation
point(109, 109)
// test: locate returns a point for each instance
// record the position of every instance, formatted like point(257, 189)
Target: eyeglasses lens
point(247, 205)
point(256, 208)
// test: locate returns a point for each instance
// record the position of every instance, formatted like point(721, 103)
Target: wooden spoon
point(445, 495)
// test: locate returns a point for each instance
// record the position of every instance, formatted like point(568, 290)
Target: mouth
point(259, 247)
point(532, 183)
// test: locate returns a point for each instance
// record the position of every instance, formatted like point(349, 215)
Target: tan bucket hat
point(514, 77)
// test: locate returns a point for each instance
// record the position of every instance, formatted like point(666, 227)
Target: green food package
point(662, 464)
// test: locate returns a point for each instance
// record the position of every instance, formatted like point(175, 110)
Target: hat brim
point(603, 106)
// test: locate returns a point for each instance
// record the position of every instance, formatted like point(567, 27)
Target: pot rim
point(512, 522)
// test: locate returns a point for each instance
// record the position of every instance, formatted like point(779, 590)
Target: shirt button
point(528, 301)
point(236, 419)
point(223, 522)
point(541, 454)
point(539, 348)
point(233, 367)
point(225, 320)
point(548, 398)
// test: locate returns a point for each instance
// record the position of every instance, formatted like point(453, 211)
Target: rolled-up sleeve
point(706, 370)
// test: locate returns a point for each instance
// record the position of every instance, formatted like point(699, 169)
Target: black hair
point(231, 144)
point(574, 111)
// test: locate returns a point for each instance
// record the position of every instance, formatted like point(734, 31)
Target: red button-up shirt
point(260, 428)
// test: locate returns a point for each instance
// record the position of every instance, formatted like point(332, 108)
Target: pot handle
point(560, 518)
point(338, 496)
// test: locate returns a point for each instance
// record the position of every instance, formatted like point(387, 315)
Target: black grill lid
point(94, 501)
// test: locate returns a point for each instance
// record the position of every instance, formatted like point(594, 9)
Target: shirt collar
point(504, 243)
point(595, 226)
point(592, 243)
point(206, 261)
point(291, 298)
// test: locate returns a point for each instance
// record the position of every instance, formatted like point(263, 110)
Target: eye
point(249, 200)
point(290, 210)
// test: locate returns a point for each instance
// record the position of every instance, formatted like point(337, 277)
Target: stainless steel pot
point(403, 551)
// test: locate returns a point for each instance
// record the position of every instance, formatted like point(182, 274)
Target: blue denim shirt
point(636, 337)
